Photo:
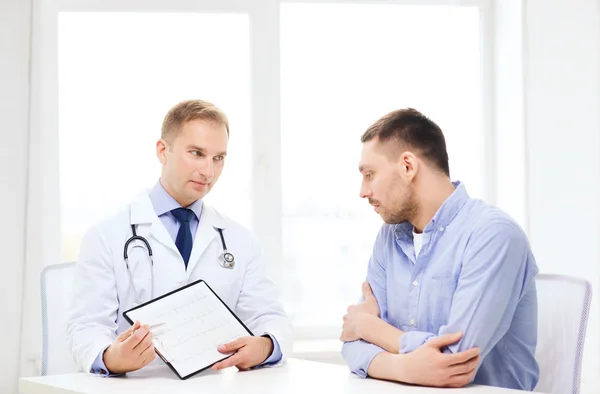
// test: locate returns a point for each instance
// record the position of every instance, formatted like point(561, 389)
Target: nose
point(365, 192)
point(206, 168)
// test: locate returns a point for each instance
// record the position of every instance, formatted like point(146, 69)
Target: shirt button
point(416, 283)
point(412, 322)
point(442, 228)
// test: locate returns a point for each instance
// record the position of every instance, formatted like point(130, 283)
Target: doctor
point(183, 236)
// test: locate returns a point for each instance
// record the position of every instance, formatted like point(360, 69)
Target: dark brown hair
point(408, 128)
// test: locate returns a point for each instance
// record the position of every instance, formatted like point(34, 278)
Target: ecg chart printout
point(196, 323)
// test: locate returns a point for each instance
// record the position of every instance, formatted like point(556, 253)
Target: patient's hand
point(369, 305)
point(429, 366)
point(358, 315)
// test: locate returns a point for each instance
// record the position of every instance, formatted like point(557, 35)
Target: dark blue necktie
point(184, 235)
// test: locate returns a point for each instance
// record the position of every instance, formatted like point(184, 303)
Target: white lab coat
point(102, 290)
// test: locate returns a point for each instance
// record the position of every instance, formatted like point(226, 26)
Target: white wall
point(15, 16)
point(563, 145)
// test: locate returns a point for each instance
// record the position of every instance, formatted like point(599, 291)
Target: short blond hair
point(190, 110)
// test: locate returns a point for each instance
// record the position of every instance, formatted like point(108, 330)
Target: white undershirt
point(418, 242)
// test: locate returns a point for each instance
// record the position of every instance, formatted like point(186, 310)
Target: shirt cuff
point(276, 355)
point(99, 368)
point(413, 339)
point(359, 355)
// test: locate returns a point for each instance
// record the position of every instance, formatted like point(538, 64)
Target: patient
point(450, 294)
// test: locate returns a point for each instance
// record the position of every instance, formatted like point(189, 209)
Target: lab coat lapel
point(142, 212)
point(205, 234)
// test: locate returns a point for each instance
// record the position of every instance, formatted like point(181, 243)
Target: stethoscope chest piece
point(226, 260)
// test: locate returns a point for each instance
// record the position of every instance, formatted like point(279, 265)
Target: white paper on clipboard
point(196, 322)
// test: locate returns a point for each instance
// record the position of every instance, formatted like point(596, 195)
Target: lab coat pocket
point(440, 297)
point(225, 282)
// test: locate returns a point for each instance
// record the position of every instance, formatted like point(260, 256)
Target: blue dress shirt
point(475, 274)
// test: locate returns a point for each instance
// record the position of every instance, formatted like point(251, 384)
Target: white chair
point(563, 309)
point(56, 286)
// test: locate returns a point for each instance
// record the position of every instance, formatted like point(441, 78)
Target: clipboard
point(196, 318)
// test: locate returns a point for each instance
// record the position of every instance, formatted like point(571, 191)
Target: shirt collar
point(444, 215)
point(164, 203)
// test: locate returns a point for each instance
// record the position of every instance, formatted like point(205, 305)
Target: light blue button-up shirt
point(163, 203)
point(474, 274)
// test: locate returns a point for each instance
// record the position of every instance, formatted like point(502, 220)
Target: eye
point(369, 176)
point(219, 158)
point(196, 153)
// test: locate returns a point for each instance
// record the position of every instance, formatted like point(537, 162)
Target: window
point(298, 100)
point(116, 85)
point(356, 63)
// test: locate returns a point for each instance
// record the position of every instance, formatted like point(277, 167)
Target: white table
point(295, 376)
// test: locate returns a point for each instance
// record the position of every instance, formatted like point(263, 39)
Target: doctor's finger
point(230, 362)
point(144, 343)
point(232, 346)
point(137, 336)
point(150, 358)
point(127, 333)
point(148, 354)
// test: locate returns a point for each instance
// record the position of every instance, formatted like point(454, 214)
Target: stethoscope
point(226, 259)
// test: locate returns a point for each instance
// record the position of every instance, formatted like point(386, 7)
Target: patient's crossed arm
point(427, 365)
point(362, 321)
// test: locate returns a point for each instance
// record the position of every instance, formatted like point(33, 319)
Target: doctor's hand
point(132, 350)
point(249, 352)
point(359, 315)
